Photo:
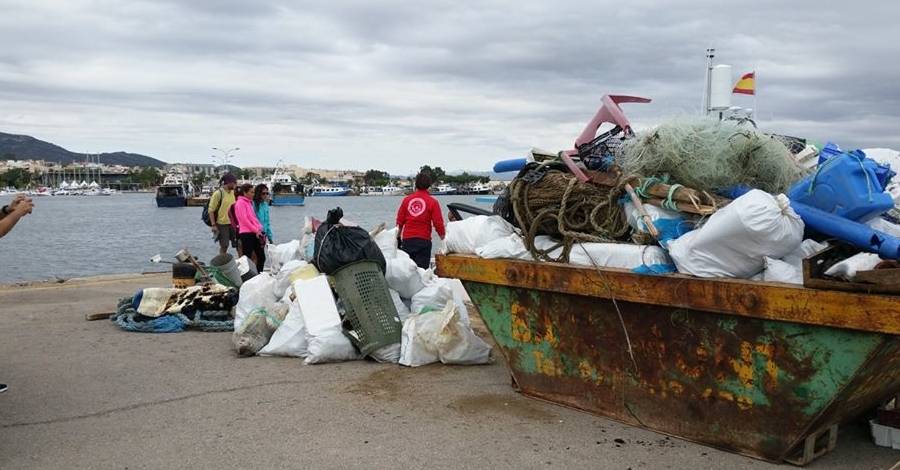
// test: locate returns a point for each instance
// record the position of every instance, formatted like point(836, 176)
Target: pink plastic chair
point(609, 112)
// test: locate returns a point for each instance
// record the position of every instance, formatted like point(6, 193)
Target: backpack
point(233, 219)
point(204, 216)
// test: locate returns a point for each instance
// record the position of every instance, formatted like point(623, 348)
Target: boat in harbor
point(329, 191)
point(173, 192)
point(480, 188)
point(443, 190)
point(389, 190)
point(285, 190)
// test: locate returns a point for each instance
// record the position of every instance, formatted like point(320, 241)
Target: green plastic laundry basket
point(369, 307)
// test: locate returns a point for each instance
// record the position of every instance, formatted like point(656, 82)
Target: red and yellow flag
point(746, 85)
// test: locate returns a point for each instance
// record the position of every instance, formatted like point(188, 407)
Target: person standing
point(250, 231)
point(219, 204)
point(261, 202)
point(417, 214)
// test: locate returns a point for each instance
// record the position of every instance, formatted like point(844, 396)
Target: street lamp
point(227, 155)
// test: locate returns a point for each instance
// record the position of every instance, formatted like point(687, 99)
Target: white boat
point(173, 192)
point(389, 190)
point(329, 191)
point(443, 190)
point(480, 188)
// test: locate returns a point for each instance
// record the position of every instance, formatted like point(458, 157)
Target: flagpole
point(756, 114)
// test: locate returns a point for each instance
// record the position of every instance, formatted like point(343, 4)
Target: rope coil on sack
point(555, 203)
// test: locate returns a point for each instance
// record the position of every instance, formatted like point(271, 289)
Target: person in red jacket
point(417, 213)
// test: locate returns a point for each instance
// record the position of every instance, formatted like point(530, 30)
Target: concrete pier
point(88, 395)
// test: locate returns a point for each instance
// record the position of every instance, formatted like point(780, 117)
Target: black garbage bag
point(338, 246)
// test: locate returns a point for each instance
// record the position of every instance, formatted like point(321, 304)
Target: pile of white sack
point(292, 311)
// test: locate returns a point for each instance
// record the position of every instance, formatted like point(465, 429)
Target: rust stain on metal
point(724, 374)
point(864, 312)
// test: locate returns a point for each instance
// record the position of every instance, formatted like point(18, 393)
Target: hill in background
point(23, 147)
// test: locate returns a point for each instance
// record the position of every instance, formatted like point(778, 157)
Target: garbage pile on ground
point(703, 197)
point(354, 295)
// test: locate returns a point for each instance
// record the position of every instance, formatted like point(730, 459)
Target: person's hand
point(22, 206)
point(19, 198)
point(214, 228)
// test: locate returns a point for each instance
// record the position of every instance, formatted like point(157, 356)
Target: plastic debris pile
point(695, 196)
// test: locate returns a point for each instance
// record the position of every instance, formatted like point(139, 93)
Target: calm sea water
point(69, 237)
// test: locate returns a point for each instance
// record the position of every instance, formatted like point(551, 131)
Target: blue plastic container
point(848, 185)
point(830, 149)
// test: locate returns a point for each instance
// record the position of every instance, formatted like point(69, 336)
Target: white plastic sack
point(389, 354)
point(257, 329)
point(510, 247)
point(436, 295)
point(789, 269)
point(418, 339)
point(387, 242)
point(402, 275)
point(735, 241)
point(283, 278)
point(434, 336)
point(859, 262)
point(781, 271)
point(255, 293)
point(617, 255)
point(465, 236)
point(806, 249)
point(278, 255)
point(290, 338)
point(330, 346)
point(402, 309)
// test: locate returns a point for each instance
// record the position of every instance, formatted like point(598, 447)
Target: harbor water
point(75, 236)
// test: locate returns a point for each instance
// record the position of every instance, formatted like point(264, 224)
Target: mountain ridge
point(26, 147)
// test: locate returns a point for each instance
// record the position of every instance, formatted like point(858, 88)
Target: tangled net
point(711, 155)
point(560, 206)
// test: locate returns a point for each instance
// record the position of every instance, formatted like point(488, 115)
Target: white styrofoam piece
point(317, 305)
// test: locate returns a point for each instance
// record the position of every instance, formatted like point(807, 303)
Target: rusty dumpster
point(763, 369)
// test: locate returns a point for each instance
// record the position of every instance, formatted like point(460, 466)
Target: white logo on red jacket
point(416, 207)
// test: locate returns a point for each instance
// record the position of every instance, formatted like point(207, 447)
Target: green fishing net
point(710, 155)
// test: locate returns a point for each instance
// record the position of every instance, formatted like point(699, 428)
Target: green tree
point(377, 178)
point(17, 177)
point(437, 173)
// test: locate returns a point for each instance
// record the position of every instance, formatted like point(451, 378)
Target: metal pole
point(710, 54)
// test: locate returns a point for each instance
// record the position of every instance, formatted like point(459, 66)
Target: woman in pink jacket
point(250, 231)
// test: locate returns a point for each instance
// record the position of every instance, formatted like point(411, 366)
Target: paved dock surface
point(87, 395)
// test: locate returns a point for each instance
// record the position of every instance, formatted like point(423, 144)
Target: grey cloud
point(453, 84)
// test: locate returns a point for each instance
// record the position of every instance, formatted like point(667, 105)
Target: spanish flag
point(746, 85)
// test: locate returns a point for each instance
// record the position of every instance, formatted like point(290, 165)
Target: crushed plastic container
point(848, 185)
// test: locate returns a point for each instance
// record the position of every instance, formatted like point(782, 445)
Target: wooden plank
point(99, 316)
point(887, 277)
point(771, 301)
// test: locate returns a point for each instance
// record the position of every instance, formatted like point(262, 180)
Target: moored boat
point(173, 192)
point(443, 190)
point(330, 191)
point(285, 190)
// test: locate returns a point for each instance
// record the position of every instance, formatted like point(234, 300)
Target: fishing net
point(546, 201)
point(711, 155)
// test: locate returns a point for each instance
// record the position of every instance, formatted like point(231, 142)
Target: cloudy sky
point(397, 84)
